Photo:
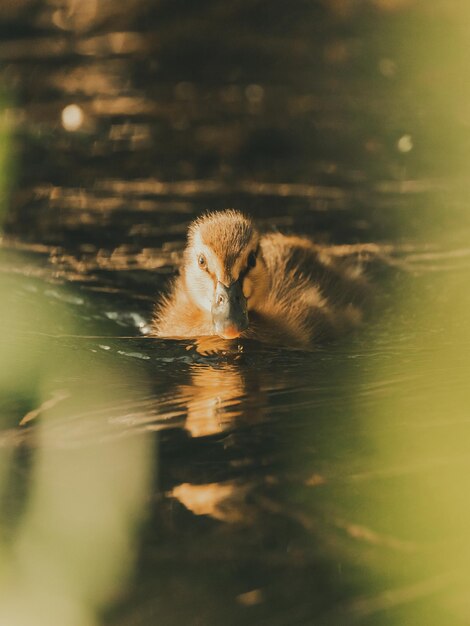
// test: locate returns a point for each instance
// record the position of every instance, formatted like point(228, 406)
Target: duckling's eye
point(202, 261)
point(252, 259)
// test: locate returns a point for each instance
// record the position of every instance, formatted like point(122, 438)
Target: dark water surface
point(142, 482)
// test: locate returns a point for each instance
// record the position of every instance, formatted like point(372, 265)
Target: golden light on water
point(222, 501)
point(72, 117)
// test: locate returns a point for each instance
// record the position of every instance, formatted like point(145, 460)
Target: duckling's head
point(224, 271)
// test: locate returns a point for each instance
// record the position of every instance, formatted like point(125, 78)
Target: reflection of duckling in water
point(210, 396)
point(220, 397)
point(279, 289)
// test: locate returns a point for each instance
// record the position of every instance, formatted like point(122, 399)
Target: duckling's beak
point(229, 311)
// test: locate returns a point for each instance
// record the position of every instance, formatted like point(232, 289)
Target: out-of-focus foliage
point(71, 504)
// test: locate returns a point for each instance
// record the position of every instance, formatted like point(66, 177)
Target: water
point(145, 482)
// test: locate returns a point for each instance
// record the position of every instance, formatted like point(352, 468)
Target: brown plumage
point(280, 289)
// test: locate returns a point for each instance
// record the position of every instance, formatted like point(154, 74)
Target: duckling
point(280, 289)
